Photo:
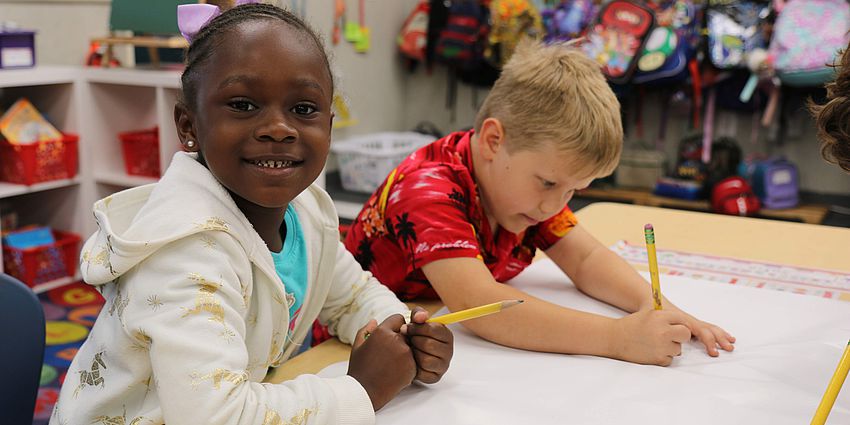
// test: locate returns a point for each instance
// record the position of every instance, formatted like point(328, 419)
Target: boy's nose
point(556, 202)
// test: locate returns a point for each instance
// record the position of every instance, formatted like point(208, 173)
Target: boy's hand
point(383, 364)
point(650, 336)
point(432, 345)
point(710, 335)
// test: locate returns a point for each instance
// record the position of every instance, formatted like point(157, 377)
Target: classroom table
point(797, 244)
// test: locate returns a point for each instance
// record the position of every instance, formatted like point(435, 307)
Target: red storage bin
point(141, 152)
point(39, 162)
point(44, 263)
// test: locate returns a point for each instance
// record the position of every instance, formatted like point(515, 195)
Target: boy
point(467, 212)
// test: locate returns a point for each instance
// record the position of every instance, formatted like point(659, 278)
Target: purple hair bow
point(192, 17)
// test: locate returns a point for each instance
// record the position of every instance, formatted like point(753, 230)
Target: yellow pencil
point(833, 388)
point(649, 233)
point(474, 312)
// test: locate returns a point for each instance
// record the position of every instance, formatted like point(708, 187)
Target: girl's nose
point(276, 129)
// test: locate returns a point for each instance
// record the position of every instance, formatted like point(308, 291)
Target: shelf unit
point(53, 90)
point(97, 104)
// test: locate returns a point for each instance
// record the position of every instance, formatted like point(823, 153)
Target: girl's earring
point(190, 144)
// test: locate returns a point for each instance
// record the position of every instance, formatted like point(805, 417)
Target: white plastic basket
point(365, 161)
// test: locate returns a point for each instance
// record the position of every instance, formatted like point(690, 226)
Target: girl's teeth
point(273, 164)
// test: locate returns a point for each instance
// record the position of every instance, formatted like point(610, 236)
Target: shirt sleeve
point(552, 230)
point(355, 297)
point(196, 342)
point(427, 215)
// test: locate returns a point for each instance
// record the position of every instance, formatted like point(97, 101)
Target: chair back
point(21, 350)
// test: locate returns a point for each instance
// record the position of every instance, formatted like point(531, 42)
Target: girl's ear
point(184, 121)
point(491, 138)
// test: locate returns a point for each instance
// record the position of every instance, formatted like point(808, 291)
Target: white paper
point(788, 347)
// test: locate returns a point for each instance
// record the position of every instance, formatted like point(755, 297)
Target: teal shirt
point(291, 265)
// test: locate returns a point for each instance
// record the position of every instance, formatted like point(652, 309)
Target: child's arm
point(598, 272)
point(204, 357)
point(357, 297)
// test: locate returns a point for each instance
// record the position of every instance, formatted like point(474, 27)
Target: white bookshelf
point(96, 104)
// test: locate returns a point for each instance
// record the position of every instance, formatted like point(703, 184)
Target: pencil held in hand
point(833, 388)
point(474, 312)
point(649, 233)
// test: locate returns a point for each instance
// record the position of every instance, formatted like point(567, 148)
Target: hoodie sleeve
point(195, 333)
point(355, 297)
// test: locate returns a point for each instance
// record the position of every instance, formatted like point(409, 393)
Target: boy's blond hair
point(555, 94)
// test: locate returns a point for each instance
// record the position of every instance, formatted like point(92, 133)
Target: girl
point(217, 272)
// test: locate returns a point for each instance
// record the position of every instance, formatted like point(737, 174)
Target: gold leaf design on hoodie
point(92, 376)
point(300, 418)
point(208, 242)
point(351, 306)
point(274, 350)
point(213, 223)
point(205, 300)
point(119, 420)
point(218, 376)
point(119, 303)
point(154, 303)
point(141, 340)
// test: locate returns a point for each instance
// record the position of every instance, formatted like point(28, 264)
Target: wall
point(64, 28)
point(382, 95)
point(801, 145)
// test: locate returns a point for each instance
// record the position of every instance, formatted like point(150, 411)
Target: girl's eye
point(242, 105)
point(547, 184)
point(304, 109)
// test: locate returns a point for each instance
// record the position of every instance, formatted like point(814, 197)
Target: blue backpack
point(568, 19)
point(734, 31)
point(671, 44)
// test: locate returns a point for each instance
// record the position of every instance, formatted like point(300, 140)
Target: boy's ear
point(491, 138)
point(184, 121)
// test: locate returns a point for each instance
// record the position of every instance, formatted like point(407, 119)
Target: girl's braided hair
point(205, 41)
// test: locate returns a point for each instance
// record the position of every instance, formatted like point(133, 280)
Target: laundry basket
point(365, 161)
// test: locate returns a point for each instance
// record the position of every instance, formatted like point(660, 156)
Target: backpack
point(460, 41)
point(806, 39)
point(413, 36)
point(617, 37)
point(725, 159)
point(734, 31)
point(671, 44)
point(510, 21)
point(734, 196)
point(775, 181)
point(567, 20)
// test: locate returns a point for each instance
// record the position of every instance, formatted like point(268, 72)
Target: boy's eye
point(304, 109)
point(547, 184)
point(242, 105)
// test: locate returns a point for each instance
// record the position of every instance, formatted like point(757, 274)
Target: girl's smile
point(263, 115)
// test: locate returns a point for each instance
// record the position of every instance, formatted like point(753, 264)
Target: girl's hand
point(382, 362)
point(432, 344)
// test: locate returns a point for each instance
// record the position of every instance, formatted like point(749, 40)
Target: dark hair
point(833, 117)
point(204, 42)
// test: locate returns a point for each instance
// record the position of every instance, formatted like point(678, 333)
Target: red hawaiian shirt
point(428, 209)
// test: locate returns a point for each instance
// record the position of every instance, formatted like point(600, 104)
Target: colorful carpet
point(70, 312)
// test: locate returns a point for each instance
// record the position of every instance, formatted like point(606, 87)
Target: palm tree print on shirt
point(364, 254)
point(406, 232)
